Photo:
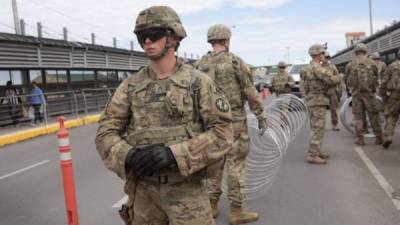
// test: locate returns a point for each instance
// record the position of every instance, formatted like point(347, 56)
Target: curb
point(49, 129)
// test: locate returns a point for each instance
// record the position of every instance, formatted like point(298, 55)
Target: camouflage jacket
point(184, 111)
point(337, 89)
point(282, 83)
point(233, 77)
point(316, 83)
point(391, 80)
point(361, 76)
point(381, 70)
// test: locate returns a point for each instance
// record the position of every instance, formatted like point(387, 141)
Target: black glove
point(262, 124)
point(153, 158)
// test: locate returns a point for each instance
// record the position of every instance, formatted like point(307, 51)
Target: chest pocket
point(363, 77)
point(280, 83)
point(394, 83)
point(179, 102)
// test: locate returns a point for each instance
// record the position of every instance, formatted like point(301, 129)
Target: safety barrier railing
point(19, 109)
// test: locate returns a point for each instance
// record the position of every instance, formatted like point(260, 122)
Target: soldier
point(282, 83)
point(317, 81)
point(361, 78)
point(233, 77)
point(380, 64)
point(334, 93)
point(162, 128)
point(390, 92)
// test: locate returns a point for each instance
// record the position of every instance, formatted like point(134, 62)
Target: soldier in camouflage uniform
point(233, 77)
point(162, 128)
point(282, 83)
point(390, 93)
point(334, 93)
point(361, 78)
point(317, 81)
point(380, 64)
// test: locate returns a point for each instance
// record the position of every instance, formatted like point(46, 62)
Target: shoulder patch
point(222, 105)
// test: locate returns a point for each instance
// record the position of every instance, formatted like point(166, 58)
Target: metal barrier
point(72, 103)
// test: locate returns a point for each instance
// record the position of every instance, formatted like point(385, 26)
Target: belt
point(174, 178)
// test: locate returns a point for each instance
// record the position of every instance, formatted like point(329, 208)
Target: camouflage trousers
point(392, 112)
point(235, 161)
point(366, 103)
point(317, 116)
point(170, 204)
point(333, 106)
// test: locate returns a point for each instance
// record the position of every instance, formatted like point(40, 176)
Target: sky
point(264, 31)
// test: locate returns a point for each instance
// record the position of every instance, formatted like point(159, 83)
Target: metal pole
point(22, 22)
point(132, 46)
point(16, 18)
point(288, 54)
point(370, 18)
point(39, 30)
point(115, 42)
point(93, 39)
point(65, 32)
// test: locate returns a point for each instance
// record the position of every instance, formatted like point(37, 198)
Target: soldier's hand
point(262, 124)
point(153, 158)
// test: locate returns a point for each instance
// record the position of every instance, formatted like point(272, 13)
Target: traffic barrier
point(67, 173)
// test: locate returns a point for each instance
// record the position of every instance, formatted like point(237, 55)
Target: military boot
point(214, 207)
point(324, 155)
point(386, 142)
point(316, 160)
point(238, 216)
point(360, 140)
point(335, 128)
point(378, 140)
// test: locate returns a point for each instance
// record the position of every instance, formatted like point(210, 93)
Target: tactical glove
point(153, 158)
point(262, 124)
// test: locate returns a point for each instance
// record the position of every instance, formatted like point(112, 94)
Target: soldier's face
point(153, 41)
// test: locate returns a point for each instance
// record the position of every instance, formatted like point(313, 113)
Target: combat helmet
point(375, 55)
point(281, 64)
point(360, 47)
point(218, 32)
point(316, 49)
point(160, 17)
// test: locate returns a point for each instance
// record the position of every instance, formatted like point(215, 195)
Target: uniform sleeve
point(385, 79)
point(346, 74)
point(110, 143)
point(243, 74)
point(326, 75)
point(206, 148)
point(375, 81)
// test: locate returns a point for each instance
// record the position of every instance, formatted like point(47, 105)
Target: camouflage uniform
point(184, 112)
point(233, 77)
point(333, 94)
point(317, 81)
point(390, 92)
point(282, 83)
point(380, 64)
point(361, 78)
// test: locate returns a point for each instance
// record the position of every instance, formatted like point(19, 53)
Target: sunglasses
point(152, 35)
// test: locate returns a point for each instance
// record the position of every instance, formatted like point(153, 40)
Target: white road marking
point(378, 176)
point(24, 169)
point(120, 202)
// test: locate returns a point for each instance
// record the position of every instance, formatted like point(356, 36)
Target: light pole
point(370, 18)
point(16, 18)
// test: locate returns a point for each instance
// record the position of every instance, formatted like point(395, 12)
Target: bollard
point(67, 173)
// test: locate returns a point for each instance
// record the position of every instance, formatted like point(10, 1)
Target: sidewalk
point(25, 131)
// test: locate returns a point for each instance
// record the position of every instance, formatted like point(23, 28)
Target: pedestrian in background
point(37, 101)
point(13, 102)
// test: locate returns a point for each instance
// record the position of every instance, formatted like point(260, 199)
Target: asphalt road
point(343, 192)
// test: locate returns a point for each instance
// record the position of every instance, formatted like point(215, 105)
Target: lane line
point(378, 176)
point(24, 169)
point(120, 202)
